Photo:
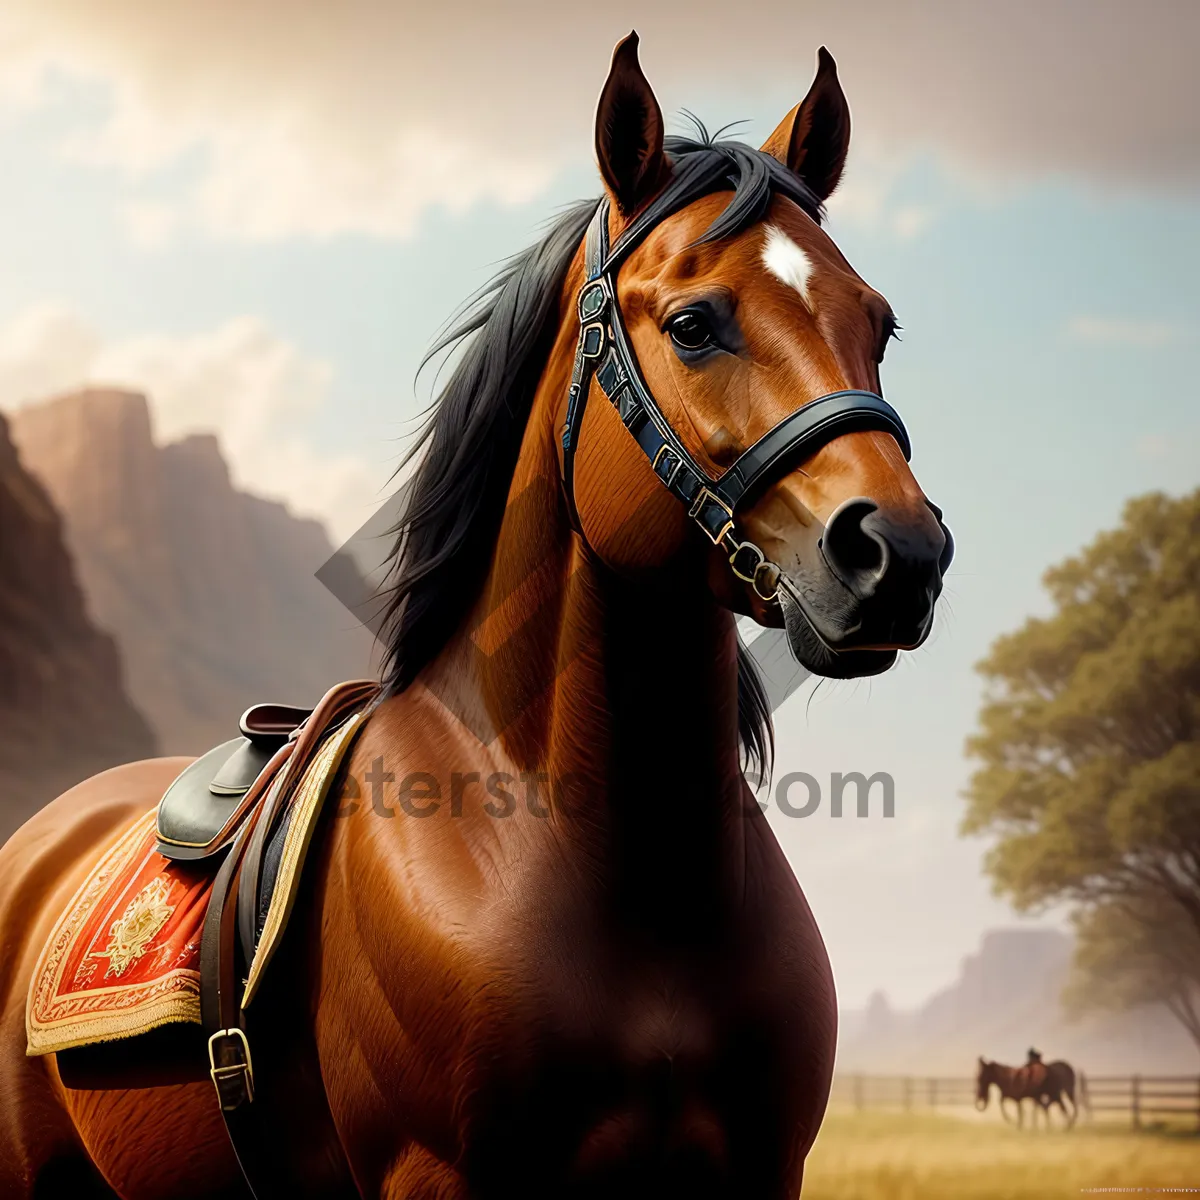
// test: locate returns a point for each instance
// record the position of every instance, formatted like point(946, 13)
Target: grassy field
point(899, 1156)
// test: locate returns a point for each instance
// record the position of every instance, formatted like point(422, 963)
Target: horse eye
point(691, 332)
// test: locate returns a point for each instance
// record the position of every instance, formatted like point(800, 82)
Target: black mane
point(472, 436)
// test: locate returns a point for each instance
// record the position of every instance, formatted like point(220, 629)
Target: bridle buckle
point(592, 340)
point(593, 306)
point(705, 497)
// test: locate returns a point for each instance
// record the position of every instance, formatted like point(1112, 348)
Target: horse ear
point(629, 131)
point(813, 138)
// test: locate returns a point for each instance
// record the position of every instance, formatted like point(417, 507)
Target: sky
point(261, 214)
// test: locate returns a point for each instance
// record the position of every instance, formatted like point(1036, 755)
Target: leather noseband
point(604, 351)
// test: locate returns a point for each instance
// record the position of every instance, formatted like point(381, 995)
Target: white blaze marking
point(787, 262)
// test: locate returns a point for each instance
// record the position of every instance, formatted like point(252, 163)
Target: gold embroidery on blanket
point(137, 927)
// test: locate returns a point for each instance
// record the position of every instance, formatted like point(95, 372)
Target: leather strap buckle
point(593, 339)
point(715, 524)
point(593, 314)
point(230, 1068)
point(666, 450)
point(593, 301)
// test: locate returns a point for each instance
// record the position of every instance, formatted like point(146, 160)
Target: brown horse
point(1060, 1083)
point(566, 957)
point(1043, 1083)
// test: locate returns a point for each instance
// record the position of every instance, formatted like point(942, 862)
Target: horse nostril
point(857, 555)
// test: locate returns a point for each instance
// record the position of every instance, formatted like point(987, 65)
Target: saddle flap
point(235, 775)
point(201, 808)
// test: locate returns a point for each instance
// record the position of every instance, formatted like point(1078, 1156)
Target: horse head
point(740, 312)
point(983, 1083)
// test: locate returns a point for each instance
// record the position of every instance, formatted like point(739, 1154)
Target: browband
point(604, 351)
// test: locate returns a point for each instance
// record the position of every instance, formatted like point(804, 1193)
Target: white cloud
point(263, 187)
point(1151, 446)
point(912, 221)
point(319, 119)
point(45, 349)
point(242, 381)
point(867, 196)
point(280, 139)
point(1121, 331)
point(150, 223)
point(865, 192)
point(1179, 448)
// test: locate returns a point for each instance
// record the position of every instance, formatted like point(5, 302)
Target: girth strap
point(604, 351)
point(225, 957)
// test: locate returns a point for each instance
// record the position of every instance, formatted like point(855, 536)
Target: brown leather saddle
point(231, 808)
point(204, 807)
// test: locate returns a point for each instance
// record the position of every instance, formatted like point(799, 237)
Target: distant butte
point(208, 591)
point(64, 710)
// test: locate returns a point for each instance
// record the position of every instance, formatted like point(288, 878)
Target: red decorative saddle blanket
point(124, 957)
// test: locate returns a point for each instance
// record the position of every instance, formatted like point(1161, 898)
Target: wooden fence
point(902, 1091)
point(1145, 1099)
point(1148, 1099)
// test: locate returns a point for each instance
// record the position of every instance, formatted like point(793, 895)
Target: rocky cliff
point(209, 592)
point(64, 713)
point(1006, 999)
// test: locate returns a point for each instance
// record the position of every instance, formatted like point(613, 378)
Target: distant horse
point(1043, 1083)
point(587, 970)
point(1060, 1082)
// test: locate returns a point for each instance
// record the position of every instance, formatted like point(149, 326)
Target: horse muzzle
point(864, 587)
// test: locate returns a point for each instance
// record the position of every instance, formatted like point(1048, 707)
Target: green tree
point(1089, 745)
point(1137, 951)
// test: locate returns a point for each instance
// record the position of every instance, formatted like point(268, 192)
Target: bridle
point(604, 351)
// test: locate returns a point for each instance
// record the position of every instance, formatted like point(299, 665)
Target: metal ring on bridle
point(762, 574)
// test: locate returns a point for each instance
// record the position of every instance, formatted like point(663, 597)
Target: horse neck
point(622, 691)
